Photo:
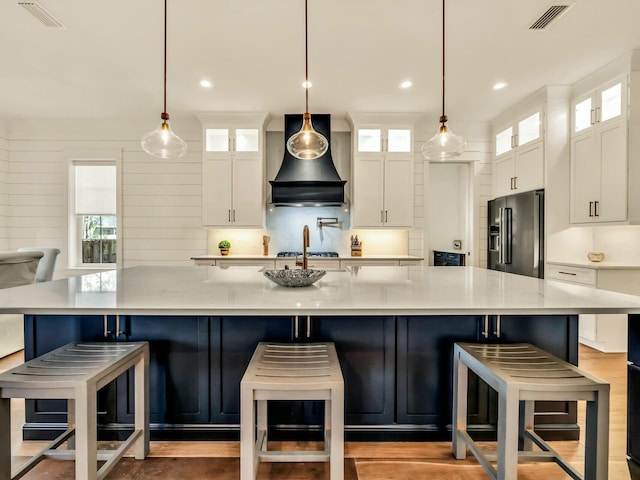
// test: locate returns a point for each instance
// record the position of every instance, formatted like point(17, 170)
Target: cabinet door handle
point(386, 216)
point(597, 114)
point(234, 214)
point(118, 331)
point(568, 273)
point(485, 332)
point(229, 215)
point(381, 216)
point(595, 209)
point(308, 326)
point(591, 209)
point(593, 117)
point(105, 332)
point(515, 183)
point(497, 332)
point(296, 329)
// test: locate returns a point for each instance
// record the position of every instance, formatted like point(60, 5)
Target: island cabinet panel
point(425, 370)
point(556, 334)
point(44, 333)
point(633, 395)
point(366, 350)
point(233, 341)
point(178, 369)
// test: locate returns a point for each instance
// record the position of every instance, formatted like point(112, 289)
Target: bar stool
point(76, 372)
point(285, 371)
point(521, 372)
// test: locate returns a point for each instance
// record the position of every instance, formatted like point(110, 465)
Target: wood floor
point(364, 460)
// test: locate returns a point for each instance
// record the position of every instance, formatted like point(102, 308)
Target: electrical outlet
point(457, 244)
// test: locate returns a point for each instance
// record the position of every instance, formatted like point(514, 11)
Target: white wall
point(4, 190)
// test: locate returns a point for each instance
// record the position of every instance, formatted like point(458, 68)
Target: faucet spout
point(305, 243)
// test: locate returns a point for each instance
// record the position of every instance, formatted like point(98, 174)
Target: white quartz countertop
point(275, 257)
point(376, 290)
point(604, 265)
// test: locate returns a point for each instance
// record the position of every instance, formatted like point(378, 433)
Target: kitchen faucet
point(305, 244)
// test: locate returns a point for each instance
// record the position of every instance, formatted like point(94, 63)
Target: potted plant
point(224, 246)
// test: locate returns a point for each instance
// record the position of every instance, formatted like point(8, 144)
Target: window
point(94, 222)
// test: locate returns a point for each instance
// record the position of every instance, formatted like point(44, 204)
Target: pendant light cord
point(164, 112)
point(443, 118)
point(306, 57)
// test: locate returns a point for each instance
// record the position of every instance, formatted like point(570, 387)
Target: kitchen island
point(394, 328)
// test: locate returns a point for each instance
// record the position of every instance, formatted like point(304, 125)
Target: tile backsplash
point(285, 225)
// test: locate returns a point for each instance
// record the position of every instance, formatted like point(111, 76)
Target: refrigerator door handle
point(501, 235)
point(506, 227)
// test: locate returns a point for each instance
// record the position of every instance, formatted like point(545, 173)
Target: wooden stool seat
point(285, 371)
point(524, 373)
point(76, 372)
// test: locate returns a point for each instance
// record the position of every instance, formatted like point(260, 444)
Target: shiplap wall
point(160, 200)
point(4, 194)
point(162, 209)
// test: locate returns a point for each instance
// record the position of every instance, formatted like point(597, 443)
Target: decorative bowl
point(595, 256)
point(294, 277)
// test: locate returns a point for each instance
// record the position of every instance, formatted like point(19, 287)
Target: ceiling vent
point(42, 14)
point(553, 12)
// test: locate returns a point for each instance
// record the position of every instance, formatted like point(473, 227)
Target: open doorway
point(448, 226)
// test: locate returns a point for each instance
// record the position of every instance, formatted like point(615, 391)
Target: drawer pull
point(568, 273)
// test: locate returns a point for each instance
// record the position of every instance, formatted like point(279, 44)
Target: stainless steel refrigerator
point(516, 234)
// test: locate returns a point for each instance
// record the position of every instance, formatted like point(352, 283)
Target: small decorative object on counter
point(356, 247)
point(595, 256)
point(265, 245)
point(224, 246)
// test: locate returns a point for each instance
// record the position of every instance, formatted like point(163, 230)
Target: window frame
point(74, 240)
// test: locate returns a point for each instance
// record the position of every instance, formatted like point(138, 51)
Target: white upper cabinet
point(518, 165)
point(382, 170)
point(599, 154)
point(600, 106)
point(233, 166)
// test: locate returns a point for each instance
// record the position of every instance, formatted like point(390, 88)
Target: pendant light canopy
point(444, 145)
point(162, 142)
point(307, 144)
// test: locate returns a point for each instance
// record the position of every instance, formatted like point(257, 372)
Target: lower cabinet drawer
point(582, 275)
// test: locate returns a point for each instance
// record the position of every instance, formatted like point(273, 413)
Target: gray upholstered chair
point(18, 268)
point(47, 264)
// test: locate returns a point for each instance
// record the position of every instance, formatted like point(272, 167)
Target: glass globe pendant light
point(444, 145)
point(307, 144)
point(162, 142)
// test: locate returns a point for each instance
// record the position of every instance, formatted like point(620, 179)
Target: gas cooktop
point(309, 254)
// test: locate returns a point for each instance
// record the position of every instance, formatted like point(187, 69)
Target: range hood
point(307, 183)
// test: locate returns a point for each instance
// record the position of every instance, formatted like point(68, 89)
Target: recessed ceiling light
point(406, 84)
point(206, 84)
point(499, 85)
point(307, 84)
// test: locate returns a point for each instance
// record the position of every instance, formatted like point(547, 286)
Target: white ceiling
point(108, 63)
